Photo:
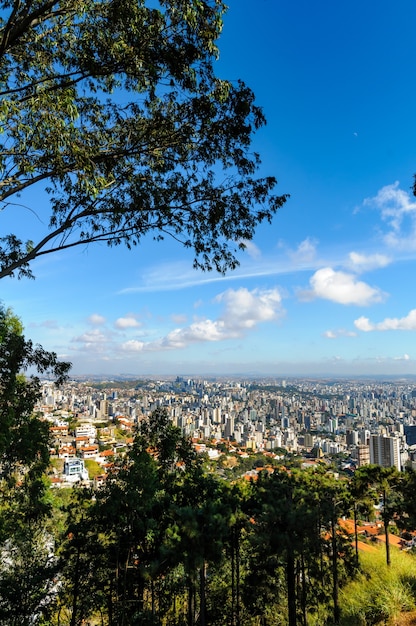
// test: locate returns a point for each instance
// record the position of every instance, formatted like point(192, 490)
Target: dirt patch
point(405, 619)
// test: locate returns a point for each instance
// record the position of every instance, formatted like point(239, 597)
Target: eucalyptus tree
point(113, 109)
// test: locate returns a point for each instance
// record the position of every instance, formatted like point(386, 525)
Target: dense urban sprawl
point(360, 421)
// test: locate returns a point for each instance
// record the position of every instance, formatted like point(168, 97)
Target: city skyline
point(327, 288)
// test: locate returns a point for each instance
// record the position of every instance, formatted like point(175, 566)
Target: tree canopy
point(113, 108)
point(23, 437)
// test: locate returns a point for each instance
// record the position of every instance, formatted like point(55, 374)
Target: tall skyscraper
point(385, 451)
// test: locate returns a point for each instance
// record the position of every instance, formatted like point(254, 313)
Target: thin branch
point(14, 29)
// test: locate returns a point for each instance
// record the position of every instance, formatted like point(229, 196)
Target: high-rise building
point(410, 432)
point(362, 454)
point(351, 437)
point(385, 451)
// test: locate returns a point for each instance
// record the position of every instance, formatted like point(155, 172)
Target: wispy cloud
point(398, 211)
point(243, 311)
point(96, 320)
point(362, 262)
point(251, 249)
point(174, 276)
point(282, 262)
point(305, 252)
point(341, 287)
point(49, 324)
point(389, 323)
point(341, 332)
point(179, 318)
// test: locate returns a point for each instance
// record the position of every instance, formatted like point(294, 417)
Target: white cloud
point(361, 262)
point(96, 320)
point(129, 321)
point(252, 250)
point(342, 288)
point(243, 310)
point(178, 318)
point(305, 252)
point(92, 336)
point(50, 324)
point(398, 210)
point(404, 357)
point(200, 331)
point(93, 340)
point(341, 332)
point(363, 323)
point(133, 346)
point(390, 323)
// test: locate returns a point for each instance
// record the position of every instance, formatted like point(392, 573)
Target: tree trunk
point(237, 573)
point(202, 595)
point(335, 570)
point(110, 603)
point(304, 590)
point(233, 576)
point(152, 587)
point(191, 603)
point(357, 561)
point(386, 532)
point(386, 527)
point(76, 590)
point(291, 587)
point(124, 594)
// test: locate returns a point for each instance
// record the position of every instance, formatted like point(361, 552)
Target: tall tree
point(198, 533)
point(282, 521)
point(82, 568)
point(406, 518)
point(114, 109)
point(28, 570)
point(381, 483)
point(24, 437)
point(26, 544)
point(118, 547)
point(296, 540)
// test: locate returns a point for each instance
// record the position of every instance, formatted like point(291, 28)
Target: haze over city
point(327, 288)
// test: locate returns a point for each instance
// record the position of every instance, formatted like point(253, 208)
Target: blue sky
point(328, 288)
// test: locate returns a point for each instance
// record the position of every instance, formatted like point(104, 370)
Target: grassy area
point(57, 464)
point(94, 468)
point(380, 594)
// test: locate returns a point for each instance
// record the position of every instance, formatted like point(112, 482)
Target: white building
point(385, 451)
point(74, 470)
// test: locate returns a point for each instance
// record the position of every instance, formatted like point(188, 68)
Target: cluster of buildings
point(364, 421)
